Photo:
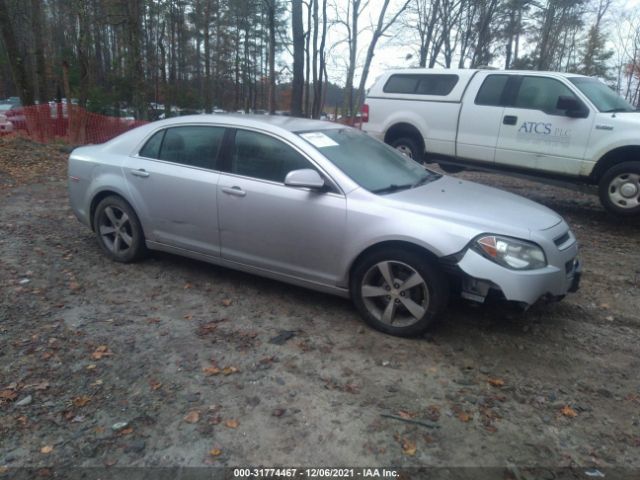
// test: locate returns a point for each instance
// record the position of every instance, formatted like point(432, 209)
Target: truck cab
point(543, 124)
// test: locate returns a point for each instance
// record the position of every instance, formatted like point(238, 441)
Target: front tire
point(619, 189)
point(118, 230)
point(399, 292)
point(410, 147)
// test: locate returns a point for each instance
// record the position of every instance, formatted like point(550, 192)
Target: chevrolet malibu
point(322, 206)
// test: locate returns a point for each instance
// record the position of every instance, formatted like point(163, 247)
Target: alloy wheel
point(394, 293)
point(116, 230)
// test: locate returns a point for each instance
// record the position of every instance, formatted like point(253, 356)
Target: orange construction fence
point(75, 125)
point(69, 123)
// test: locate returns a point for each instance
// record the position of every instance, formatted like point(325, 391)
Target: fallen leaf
point(567, 411)
point(22, 420)
point(192, 417)
point(154, 384)
point(464, 417)
point(188, 316)
point(81, 401)
point(126, 431)
point(227, 302)
point(101, 351)
point(231, 423)
point(215, 452)
point(97, 383)
point(74, 285)
point(351, 388)
point(110, 462)
point(406, 415)
point(496, 382)
point(8, 395)
point(229, 370)
point(187, 286)
point(408, 447)
point(91, 367)
point(208, 371)
point(46, 449)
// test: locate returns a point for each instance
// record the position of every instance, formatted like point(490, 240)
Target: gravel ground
point(173, 362)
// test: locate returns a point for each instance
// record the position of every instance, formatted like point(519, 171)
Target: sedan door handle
point(237, 191)
point(140, 173)
point(510, 120)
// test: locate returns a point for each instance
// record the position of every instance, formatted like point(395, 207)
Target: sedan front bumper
point(522, 286)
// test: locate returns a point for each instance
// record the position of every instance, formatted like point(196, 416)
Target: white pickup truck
point(556, 125)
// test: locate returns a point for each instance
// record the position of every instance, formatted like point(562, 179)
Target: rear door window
point(194, 145)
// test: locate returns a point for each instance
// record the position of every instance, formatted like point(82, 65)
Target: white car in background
point(5, 125)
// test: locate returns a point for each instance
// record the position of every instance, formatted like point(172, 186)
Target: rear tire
point(118, 230)
point(619, 189)
point(399, 292)
point(410, 147)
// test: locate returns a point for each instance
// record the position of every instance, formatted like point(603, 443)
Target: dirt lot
point(172, 362)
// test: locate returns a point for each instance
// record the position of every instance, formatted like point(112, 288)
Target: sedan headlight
point(511, 253)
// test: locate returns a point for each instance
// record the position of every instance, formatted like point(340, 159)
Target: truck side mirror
point(572, 107)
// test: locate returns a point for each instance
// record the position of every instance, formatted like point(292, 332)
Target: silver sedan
point(322, 206)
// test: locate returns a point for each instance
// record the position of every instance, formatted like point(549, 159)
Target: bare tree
point(16, 59)
point(297, 83)
point(354, 10)
point(381, 28)
point(271, 28)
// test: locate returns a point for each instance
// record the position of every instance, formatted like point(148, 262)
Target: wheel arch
point(627, 153)
point(388, 244)
point(404, 129)
point(101, 195)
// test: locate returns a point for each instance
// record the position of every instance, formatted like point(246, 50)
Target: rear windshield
point(415, 84)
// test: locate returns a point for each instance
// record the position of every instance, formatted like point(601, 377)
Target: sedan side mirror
point(572, 107)
point(305, 177)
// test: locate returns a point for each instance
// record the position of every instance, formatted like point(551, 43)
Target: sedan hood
point(488, 208)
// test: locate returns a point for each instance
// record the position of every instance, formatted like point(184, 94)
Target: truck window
point(541, 93)
point(490, 92)
point(429, 84)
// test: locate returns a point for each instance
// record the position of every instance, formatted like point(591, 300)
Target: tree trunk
point(207, 57)
point(41, 69)
point(297, 83)
point(271, 25)
point(16, 61)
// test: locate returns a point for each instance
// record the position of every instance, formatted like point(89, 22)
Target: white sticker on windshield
point(318, 139)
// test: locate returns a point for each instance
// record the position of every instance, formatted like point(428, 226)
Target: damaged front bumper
point(480, 278)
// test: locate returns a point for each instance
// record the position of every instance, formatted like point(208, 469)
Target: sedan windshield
point(603, 97)
point(369, 162)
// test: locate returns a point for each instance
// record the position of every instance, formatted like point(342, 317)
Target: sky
point(392, 50)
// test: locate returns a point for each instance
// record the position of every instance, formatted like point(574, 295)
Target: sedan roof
point(292, 124)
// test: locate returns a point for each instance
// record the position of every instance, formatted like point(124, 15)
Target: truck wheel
point(619, 189)
point(409, 147)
